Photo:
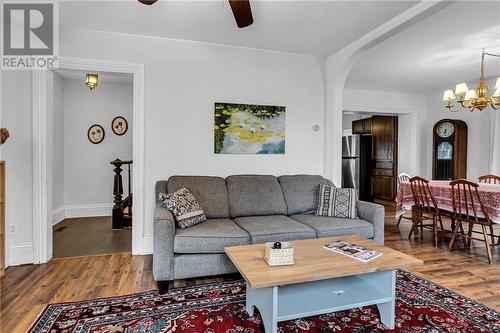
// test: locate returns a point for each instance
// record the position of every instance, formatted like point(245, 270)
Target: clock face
point(445, 130)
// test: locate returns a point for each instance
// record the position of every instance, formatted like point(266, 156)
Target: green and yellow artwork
point(249, 129)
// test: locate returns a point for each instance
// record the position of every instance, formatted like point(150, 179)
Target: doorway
point(379, 139)
point(91, 129)
point(42, 166)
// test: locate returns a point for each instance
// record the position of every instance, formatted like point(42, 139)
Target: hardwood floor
point(26, 289)
point(89, 236)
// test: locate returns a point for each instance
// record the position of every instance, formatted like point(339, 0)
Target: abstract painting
point(249, 129)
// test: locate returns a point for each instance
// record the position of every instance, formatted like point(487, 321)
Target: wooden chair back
point(467, 204)
point(403, 177)
point(422, 196)
point(490, 179)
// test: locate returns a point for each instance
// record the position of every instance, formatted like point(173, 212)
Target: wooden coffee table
point(321, 281)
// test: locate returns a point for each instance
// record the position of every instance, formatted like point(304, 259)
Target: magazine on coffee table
point(353, 250)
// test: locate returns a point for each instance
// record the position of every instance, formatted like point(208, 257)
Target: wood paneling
point(26, 289)
point(384, 130)
point(362, 126)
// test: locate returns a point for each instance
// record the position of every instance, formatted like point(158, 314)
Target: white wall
point(182, 81)
point(88, 174)
point(17, 152)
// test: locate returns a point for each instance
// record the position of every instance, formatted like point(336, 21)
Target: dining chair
point(402, 177)
point(468, 208)
point(490, 179)
point(424, 205)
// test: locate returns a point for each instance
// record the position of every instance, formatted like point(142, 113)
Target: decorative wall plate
point(119, 125)
point(96, 134)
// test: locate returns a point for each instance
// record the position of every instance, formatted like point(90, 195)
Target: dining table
point(442, 192)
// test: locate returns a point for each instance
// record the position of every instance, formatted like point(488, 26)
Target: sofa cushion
point(300, 192)
point(335, 226)
point(210, 236)
point(274, 228)
point(251, 195)
point(210, 192)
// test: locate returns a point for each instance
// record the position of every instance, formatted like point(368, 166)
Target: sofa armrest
point(375, 214)
point(163, 239)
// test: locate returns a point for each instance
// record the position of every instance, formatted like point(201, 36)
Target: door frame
point(42, 176)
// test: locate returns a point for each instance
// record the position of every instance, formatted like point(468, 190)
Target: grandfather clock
point(449, 158)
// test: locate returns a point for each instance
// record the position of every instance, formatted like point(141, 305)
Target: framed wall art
point(119, 125)
point(96, 133)
point(249, 129)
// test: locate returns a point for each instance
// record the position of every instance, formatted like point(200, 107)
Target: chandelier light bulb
point(448, 95)
point(497, 85)
point(461, 89)
point(471, 94)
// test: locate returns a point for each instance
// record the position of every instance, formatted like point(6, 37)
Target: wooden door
point(384, 131)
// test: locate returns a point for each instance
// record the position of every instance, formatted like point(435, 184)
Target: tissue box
point(279, 257)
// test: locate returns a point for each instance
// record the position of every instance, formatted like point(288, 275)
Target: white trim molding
point(147, 245)
point(42, 176)
point(20, 254)
point(58, 215)
point(73, 211)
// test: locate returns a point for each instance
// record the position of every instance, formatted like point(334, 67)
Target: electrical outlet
point(12, 229)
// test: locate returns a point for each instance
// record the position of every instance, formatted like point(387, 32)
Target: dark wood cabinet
point(384, 131)
point(449, 158)
point(362, 126)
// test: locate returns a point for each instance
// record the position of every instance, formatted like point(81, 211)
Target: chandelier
point(474, 98)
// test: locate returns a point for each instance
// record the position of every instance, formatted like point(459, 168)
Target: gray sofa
point(246, 209)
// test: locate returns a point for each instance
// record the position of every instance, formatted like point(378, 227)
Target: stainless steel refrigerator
point(356, 161)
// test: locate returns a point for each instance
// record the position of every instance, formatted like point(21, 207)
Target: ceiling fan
point(241, 11)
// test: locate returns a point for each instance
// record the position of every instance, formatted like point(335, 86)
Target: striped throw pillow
point(335, 202)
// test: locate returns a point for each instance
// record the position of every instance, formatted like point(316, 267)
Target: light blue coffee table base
point(301, 300)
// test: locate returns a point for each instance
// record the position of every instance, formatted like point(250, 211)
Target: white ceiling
point(318, 28)
point(440, 51)
point(70, 74)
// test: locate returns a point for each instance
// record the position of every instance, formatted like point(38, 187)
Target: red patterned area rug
point(422, 306)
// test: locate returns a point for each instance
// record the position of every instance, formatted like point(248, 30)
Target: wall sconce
point(91, 81)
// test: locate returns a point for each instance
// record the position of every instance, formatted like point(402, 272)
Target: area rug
point(422, 306)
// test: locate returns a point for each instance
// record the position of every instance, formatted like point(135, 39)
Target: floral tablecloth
point(441, 190)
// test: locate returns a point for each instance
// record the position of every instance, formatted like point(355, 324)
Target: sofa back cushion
point(210, 192)
point(300, 192)
point(251, 195)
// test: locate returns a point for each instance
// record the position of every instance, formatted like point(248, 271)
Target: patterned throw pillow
point(335, 202)
point(184, 207)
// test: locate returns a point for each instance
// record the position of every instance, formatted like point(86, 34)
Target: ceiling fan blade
point(242, 12)
point(147, 2)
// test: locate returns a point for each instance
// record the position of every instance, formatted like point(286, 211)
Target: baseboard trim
point(20, 254)
point(58, 215)
point(72, 211)
point(147, 245)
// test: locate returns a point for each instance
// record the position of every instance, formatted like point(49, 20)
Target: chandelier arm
point(450, 107)
point(492, 54)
